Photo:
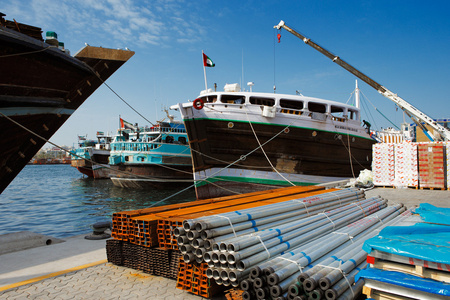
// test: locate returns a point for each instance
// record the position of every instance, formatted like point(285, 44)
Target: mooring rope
point(264, 152)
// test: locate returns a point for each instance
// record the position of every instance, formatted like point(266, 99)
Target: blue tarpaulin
point(433, 214)
point(429, 240)
point(405, 280)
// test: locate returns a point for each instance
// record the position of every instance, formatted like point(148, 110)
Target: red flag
point(207, 62)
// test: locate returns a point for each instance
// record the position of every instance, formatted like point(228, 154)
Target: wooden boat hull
point(154, 176)
point(97, 171)
point(225, 160)
point(39, 90)
point(86, 171)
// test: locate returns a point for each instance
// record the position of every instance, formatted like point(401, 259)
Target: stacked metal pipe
point(324, 268)
point(199, 236)
point(259, 248)
point(266, 244)
point(230, 265)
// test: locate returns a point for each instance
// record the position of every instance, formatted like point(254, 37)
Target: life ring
point(198, 103)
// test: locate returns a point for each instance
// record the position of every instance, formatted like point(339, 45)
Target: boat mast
point(357, 95)
point(416, 115)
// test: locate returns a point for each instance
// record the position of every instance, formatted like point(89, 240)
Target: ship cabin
point(149, 138)
point(274, 104)
point(148, 144)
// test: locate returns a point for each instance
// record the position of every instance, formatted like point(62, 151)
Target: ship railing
point(134, 146)
point(339, 119)
point(309, 114)
point(81, 154)
point(292, 111)
point(164, 129)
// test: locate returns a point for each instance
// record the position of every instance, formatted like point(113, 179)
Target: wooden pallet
point(385, 186)
point(415, 270)
point(381, 295)
point(375, 254)
point(414, 187)
point(394, 187)
point(433, 188)
point(386, 291)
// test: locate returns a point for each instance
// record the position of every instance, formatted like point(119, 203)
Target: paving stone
point(104, 281)
point(17, 298)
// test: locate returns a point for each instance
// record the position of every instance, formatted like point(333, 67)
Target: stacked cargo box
point(424, 165)
point(431, 165)
point(383, 167)
point(406, 172)
point(447, 159)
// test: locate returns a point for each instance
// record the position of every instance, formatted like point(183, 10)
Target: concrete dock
point(77, 268)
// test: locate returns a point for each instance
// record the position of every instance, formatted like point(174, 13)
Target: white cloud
point(151, 22)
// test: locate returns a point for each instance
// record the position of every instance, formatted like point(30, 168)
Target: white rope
point(268, 253)
point(378, 217)
point(344, 233)
point(304, 204)
point(334, 225)
point(343, 275)
point(242, 157)
point(359, 205)
point(336, 195)
point(262, 149)
point(231, 224)
point(349, 148)
point(294, 262)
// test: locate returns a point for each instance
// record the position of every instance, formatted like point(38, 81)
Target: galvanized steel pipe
point(336, 238)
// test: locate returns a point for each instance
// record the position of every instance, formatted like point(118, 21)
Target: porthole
point(230, 124)
point(314, 133)
point(286, 130)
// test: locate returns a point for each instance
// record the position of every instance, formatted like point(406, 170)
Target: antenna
point(242, 67)
point(357, 95)
point(250, 84)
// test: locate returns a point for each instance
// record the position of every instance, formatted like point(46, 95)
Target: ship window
point(209, 99)
point(293, 104)
point(353, 115)
point(446, 124)
point(169, 139)
point(182, 140)
point(317, 107)
point(232, 99)
point(262, 101)
point(337, 111)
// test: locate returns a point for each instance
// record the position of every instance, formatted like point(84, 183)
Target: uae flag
point(126, 125)
point(207, 62)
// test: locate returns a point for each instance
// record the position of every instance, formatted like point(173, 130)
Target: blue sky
point(404, 45)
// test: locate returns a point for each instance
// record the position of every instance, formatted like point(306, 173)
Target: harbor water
point(59, 201)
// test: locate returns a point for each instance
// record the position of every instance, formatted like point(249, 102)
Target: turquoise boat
point(156, 157)
point(91, 156)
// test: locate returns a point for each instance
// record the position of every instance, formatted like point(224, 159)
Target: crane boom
point(404, 105)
